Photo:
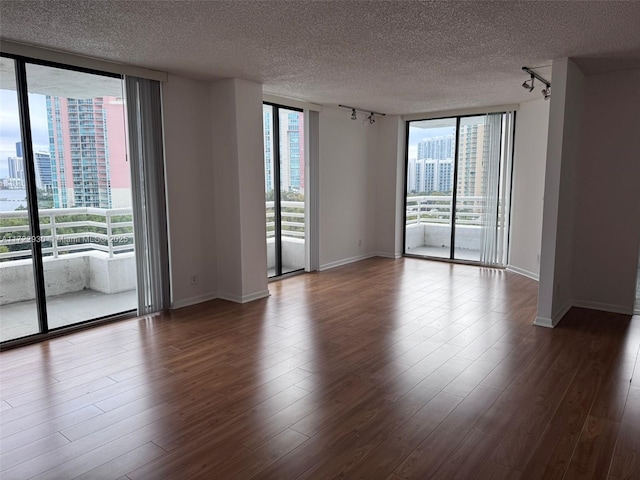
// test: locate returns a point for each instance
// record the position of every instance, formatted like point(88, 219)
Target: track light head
point(353, 114)
point(372, 118)
point(546, 92)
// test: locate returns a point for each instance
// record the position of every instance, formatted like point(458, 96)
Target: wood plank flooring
point(382, 369)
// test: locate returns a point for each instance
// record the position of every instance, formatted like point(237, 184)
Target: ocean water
point(12, 199)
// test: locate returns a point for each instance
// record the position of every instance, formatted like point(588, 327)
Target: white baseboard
point(187, 302)
point(243, 298)
point(605, 307)
point(543, 322)
point(555, 319)
point(346, 261)
point(387, 255)
point(255, 296)
point(523, 272)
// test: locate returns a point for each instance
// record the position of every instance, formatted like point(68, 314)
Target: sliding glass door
point(66, 226)
point(458, 179)
point(284, 189)
point(430, 180)
point(18, 309)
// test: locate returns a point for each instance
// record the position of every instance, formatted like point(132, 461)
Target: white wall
point(389, 185)
point(190, 201)
point(347, 188)
point(238, 186)
point(253, 229)
point(607, 230)
point(591, 227)
point(530, 154)
point(563, 142)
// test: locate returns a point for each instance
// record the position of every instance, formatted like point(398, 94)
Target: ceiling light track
point(370, 115)
point(529, 84)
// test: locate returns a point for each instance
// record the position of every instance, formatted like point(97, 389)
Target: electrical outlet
point(359, 243)
point(194, 279)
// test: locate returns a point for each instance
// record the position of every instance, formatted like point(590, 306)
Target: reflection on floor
point(444, 252)
point(20, 319)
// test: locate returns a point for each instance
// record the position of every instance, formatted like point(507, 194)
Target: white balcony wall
point(293, 253)
point(68, 273)
point(532, 124)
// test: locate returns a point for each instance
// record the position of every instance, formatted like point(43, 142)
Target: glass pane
point(471, 188)
point(267, 118)
point(292, 189)
point(18, 309)
point(84, 194)
point(430, 168)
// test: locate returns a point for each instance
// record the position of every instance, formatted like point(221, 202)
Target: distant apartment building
point(87, 143)
point(432, 171)
point(16, 168)
point(292, 163)
point(13, 183)
point(471, 154)
point(42, 163)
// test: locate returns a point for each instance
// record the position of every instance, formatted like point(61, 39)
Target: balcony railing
point(292, 219)
point(437, 209)
point(105, 230)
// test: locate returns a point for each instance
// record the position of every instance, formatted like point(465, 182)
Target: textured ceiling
point(389, 56)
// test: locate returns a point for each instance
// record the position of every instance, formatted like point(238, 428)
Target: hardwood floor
point(382, 369)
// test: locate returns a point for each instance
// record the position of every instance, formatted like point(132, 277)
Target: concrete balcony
point(428, 226)
point(88, 262)
point(292, 237)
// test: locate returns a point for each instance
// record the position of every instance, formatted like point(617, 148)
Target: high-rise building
point(89, 167)
point(43, 167)
point(16, 168)
point(43, 170)
point(432, 170)
point(291, 142)
point(437, 148)
point(471, 155)
point(267, 138)
point(292, 151)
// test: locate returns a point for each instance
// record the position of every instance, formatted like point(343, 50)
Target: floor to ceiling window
point(284, 189)
point(66, 210)
point(458, 180)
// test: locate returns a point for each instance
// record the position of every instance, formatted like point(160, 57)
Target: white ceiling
point(388, 56)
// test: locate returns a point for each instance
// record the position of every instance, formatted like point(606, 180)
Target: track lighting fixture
point(546, 92)
point(528, 84)
point(370, 116)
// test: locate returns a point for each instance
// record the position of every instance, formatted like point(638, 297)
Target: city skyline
point(431, 169)
point(10, 126)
